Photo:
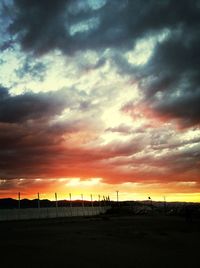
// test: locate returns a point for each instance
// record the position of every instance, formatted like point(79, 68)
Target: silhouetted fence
point(51, 212)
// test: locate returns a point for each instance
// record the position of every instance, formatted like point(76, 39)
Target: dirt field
point(130, 241)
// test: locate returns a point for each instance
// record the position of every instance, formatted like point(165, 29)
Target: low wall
point(45, 213)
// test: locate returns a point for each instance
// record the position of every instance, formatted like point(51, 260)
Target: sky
point(99, 96)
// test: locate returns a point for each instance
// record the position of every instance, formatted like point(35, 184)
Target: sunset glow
point(96, 96)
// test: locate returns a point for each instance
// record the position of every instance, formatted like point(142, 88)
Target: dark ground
point(107, 241)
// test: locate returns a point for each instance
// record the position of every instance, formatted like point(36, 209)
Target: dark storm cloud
point(44, 25)
point(39, 24)
point(40, 151)
point(170, 80)
point(14, 109)
point(5, 38)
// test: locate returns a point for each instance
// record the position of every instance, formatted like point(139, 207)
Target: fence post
point(91, 205)
point(117, 197)
point(19, 199)
point(38, 195)
point(165, 205)
point(56, 204)
point(70, 198)
point(83, 206)
point(38, 200)
point(19, 205)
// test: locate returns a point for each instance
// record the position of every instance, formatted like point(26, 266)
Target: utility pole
point(70, 198)
point(91, 200)
point(38, 200)
point(19, 199)
point(56, 199)
point(164, 204)
point(99, 203)
point(82, 200)
point(19, 206)
point(83, 205)
point(117, 197)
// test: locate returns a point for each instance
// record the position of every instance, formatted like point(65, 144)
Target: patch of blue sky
point(84, 26)
point(85, 5)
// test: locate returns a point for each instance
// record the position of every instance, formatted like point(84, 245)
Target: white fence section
point(46, 213)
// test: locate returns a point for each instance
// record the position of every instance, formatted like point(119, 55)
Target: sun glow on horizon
point(96, 187)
